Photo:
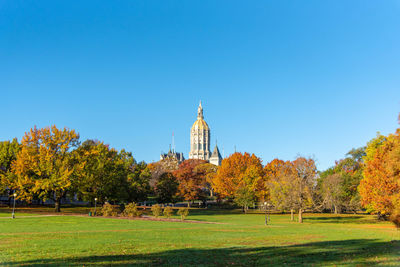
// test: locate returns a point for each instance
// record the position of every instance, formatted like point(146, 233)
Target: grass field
point(234, 240)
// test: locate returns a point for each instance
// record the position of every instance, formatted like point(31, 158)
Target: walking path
point(33, 216)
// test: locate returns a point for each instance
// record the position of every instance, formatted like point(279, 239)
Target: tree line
point(52, 163)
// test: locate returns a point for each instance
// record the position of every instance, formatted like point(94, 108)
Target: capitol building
point(200, 141)
point(200, 138)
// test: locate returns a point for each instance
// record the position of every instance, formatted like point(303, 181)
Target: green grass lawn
point(237, 239)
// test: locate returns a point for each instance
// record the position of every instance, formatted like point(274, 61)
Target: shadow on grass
point(346, 252)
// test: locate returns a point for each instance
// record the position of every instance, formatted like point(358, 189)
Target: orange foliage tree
point(239, 173)
point(380, 187)
point(192, 181)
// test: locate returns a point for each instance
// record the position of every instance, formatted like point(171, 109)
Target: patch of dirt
point(373, 226)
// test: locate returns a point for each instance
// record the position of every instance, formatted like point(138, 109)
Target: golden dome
point(200, 124)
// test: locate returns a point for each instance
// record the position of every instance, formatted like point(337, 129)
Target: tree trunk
point(300, 216)
point(188, 204)
point(57, 205)
point(336, 210)
point(292, 215)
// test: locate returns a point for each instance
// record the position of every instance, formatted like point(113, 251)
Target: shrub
point(184, 212)
point(110, 210)
point(156, 210)
point(97, 213)
point(168, 211)
point(131, 210)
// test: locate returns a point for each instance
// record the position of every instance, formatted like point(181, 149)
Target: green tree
point(166, 188)
point(245, 197)
point(138, 178)
point(338, 185)
point(8, 154)
point(101, 177)
point(110, 175)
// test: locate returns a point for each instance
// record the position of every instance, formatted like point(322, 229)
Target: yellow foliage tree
point(44, 166)
point(292, 184)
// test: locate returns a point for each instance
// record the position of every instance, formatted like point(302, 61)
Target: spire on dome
point(200, 111)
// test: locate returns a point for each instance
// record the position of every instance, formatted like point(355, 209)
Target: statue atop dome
point(200, 112)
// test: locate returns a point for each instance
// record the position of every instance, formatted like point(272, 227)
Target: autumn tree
point(281, 183)
point(305, 175)
point(380, 187)
point(44, 167)
point(192, 183)
point(8, 154)
point(293, 184)
point(332, 192)
point(271, 170)
point(240, 175)
point(209, 171)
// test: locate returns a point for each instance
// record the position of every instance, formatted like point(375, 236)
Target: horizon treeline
point(52, 163)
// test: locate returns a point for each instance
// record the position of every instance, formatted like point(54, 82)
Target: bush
point(109, 210)
point(131, 210)
point(168, 211)
point(184, 212)
point(156, 210)
point(97, 213)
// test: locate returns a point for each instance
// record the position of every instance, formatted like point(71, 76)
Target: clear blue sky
point(277, 78)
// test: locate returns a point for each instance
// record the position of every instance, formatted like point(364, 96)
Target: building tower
point(216, 158)
point(200, 138)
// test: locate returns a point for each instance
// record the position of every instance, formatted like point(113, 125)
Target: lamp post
point(95, 204)
point(265, 207)
point(13, 212)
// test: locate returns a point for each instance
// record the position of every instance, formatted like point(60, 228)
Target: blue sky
point(276, 78)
